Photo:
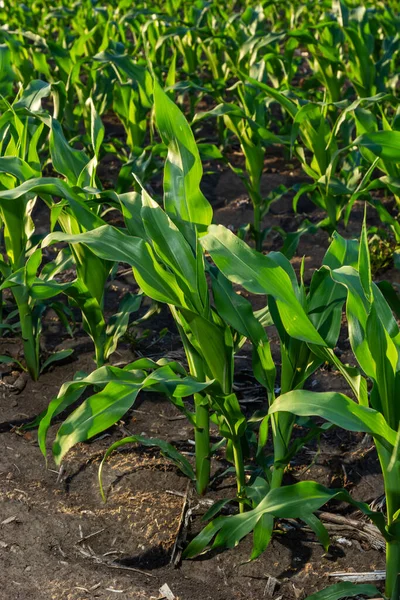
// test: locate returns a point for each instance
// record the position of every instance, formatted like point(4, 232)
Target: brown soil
point(59, 541)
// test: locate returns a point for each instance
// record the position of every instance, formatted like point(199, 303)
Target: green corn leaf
point(262, 535)
point(109, 243)
point(325, 303)
point(232, 422)
point(138, 74)
point(51, 186)
point(357, 383)
point(104, 409)
point(259, 274)
point(72, 390)
point(215, 509)
point(17, 167)
point(33, 95)
point(92, 271)
point(170, 79)
point(201, 541)
point(44, 290)
point(237, 311)
point(171, 246)
point(282, 261)
point(118, 323)
point(166, 381)
point(237, 528)
point(338, 409)
point(94, 415)
point(304, 116)
point(96, 128)
point(56, 356)
point(63, 261)
point(38, 289)
point(221, 110)
point(131, 206)
point(385, 144)
point(357, 309)
point(9, 360)
point(318, 528)
point(32, 266)
point(299, 500)
point(183, 169)
point(92, 314)
point(7, 76)
point(385, 355)
point(341, 252)
point(285, 102)
point(346, 590)
point(66, 160)
point(214, 343)
point(209, 152)
point(364, 262)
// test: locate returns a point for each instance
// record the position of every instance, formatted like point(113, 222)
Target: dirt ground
point(59, 541)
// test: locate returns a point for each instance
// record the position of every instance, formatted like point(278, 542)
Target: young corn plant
point(380, 150)
point(31, 287)
point(374, 335)
point(325, 60)
point(165, 252)
point(17, 202)
point(301, 501)
point(168, 264)
point(119, 389)
point(81, 210)
point(336, 183)
point(308, 334)
point(375, 340)
point(132, 88)
point(247, 120)
point(311, 123)
point(372, 52)
point(87, 290)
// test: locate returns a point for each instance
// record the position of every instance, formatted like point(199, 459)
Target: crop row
point(316, 86)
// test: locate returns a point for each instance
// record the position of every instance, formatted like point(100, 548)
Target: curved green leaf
point(299, 500)
point(183, 169)
point(259, 274)
point(385, 144)
point(336, 408)
point(110, 243)
point(346, 590)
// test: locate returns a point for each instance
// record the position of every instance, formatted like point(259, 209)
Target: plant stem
point(282, 432)
point(392, 547)
point(202, 408)
point(99, 353)
point(239, 468)
point(392, 493)
point(257, 226)
point(277, 476)
point(202, 440)
point(29, 340)
point(392, 567)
